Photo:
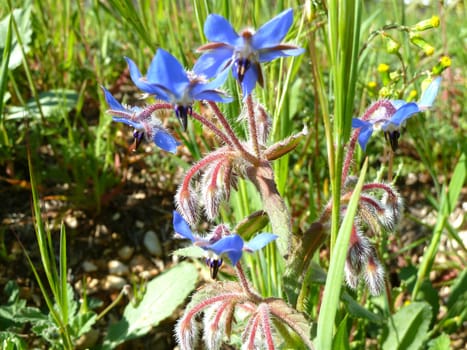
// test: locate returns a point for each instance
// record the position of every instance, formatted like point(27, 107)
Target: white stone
point(89, 266)
point(152, 243)
point(118, 268)
point(114, 282)
point(126, 252)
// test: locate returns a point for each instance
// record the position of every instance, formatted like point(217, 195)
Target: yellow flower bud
point(426, 24)
point(421, 43)
point(383, 68)
point(372, 85)
point(412, 95)
point(443, 63)
point(429, 50)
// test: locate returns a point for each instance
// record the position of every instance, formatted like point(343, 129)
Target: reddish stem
point(266, 325)
point(252, 124)
point(228, 129)
point(213, 128)
point(212, 157)
point(349, 155)
point(245, 283)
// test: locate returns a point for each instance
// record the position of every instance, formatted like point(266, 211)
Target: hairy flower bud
point(187, 204)
point(263, 124)
point(374, 276)
point(186, 332)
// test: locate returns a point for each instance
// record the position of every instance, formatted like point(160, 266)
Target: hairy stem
point(231, 134)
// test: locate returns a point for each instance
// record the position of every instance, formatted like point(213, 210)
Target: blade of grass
point(334, 279)
point(4, 77)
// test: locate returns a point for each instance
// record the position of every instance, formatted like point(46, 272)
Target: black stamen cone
point(214, 265)
point(182, 113)
point(393, 138)
point(138, 135)
point(242, 66)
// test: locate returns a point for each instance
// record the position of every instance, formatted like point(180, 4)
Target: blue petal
point(212, 95)
point(231, 245)
point(249, 79)
point(429, 95)
point(218, 29)
point(165, 141)
point(358, 123)
point(402, 114)
point(260, 241)
point(273, 31)
point(181, 227)
point(166, 71)
point(111, 101)
point(211, 62)
point(126, 121)
point(139, 80)
point(270, 54)
point(366, 130)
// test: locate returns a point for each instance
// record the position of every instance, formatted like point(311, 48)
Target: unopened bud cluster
point(379, 208)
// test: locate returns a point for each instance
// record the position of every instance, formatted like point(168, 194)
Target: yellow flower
point(383, 67)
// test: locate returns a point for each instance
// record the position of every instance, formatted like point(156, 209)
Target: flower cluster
point(380, 205)
point(174, 88)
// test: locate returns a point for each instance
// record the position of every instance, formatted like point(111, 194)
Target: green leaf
point(163, 295)
point(408, 328)
point(252, 224)
point(357, 310)
point(190, 252)
point(440, 343)
point(456, 184)
point(11, 341)
point(23, 20)
point(341, 339)
point(52, 103)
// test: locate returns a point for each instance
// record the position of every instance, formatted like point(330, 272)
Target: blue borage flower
point(390, 115)
point(221, 242)
point(169, 81)
point(245, 51)
point(144, 123)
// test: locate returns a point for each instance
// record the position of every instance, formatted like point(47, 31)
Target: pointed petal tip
point(181, 226)
point(260, 241)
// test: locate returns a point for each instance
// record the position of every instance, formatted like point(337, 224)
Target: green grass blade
point(64, 307)
point(334, 279)
point(4, 65)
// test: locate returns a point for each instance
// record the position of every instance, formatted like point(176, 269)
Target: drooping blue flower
point(245, 51)
point(146, 126)
point(390, 115)
point(169, 81)
point(221, 241)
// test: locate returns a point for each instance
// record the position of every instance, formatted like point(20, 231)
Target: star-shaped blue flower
point(391, 115)
point(145, 125)
point(245, 51)
point(221, 241)
point(169, 81)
